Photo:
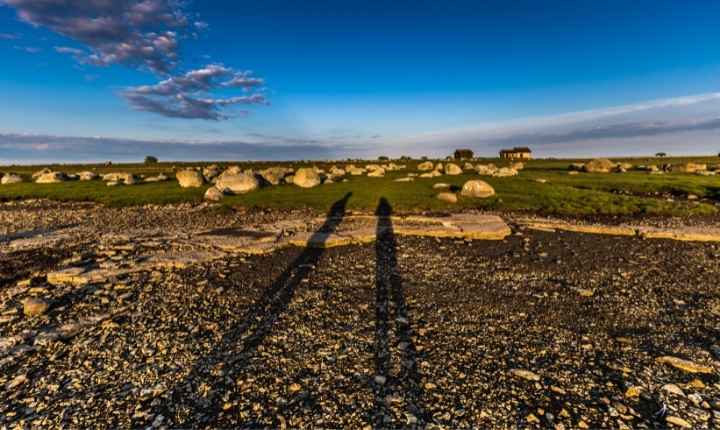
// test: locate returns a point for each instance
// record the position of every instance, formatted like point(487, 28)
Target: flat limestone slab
point(552, 225)
point(690, 233)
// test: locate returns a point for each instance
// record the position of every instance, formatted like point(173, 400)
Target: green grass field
point(632, 193)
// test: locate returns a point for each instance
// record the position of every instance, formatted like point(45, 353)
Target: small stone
point(673, 389)
point(697, 384)
point(447, 197)
point(295, 387)
point(34, 306)
point(380, 379)
point(677, 421)
point(525, 374)
point(632, 392)
point(16, 382)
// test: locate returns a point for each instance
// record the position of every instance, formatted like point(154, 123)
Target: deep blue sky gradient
point(374, 73)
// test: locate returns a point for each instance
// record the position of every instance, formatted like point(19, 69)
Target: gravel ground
point(547, 330)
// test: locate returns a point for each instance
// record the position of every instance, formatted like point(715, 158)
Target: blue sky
point(89, 80)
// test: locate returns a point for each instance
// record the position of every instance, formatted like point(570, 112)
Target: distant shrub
point(463, 153)
point(151, 160)
point(383, 158)
point(661, 154)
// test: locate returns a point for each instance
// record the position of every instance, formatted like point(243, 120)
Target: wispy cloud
point(659, 117)
point(9, 36)
point(185, 96)
point(28, 49)
point(624, 130)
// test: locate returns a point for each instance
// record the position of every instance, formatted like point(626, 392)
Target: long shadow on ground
point(249, 333)
point(403, 387)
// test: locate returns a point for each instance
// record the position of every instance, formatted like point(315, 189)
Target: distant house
point(517, 153)
point(463, 153)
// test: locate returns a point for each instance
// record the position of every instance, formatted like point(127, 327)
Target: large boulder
point(213, 194)
point(306, 177)
point(452, 169)
point(51, 178)
point(477, 189)
point(87, 176)
point(337, 172)
point(486, 169)
point(39, 173)
point(689, 167)
point(517, 165)
point(117, 177)
point(376, 173)
point(274, 175)
point(504, 172)
point(426, 166)
point(237, 183)
point(190, 178)
point(211, 172)
point(11, 178)
point(355, 171)
point(599, 165)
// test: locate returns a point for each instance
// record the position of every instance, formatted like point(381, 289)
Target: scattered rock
point(677, 421)
point(525, 374)
point(673, 389)
point(87, 176)
point(190, 178)
point(213, 194)
point(447, 197)
point(426, 166)
point(453, 169)
point(51, 178)
point(306, 177)
point(476, 188)
point(11, 178)
point(34, 306)
point(236, 183)
point(599, 165)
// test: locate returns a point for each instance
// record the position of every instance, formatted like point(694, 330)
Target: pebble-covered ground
point(541, 330)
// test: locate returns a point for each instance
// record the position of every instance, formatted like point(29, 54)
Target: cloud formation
point(142, 33)
point(131, 32)
point(186, 96)
point(40, 148)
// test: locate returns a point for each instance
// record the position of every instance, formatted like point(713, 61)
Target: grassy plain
point(631, 193)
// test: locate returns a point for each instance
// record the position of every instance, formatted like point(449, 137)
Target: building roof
point(517, 149)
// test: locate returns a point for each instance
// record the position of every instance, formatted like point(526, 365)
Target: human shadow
point(404, 386)
point(248, 334)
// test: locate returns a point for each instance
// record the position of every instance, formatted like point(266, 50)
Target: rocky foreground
point(542, 329)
